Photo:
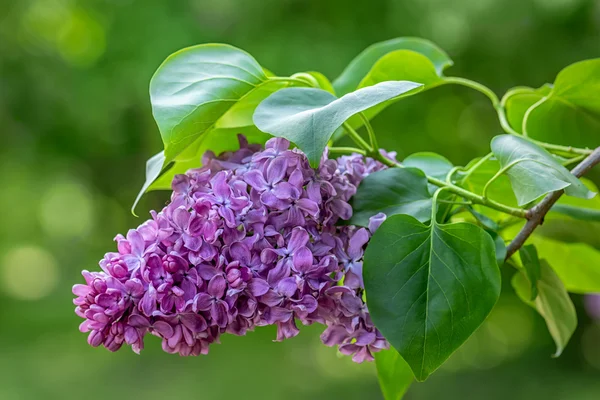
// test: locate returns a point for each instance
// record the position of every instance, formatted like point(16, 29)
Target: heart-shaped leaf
point(570, 113)
point(194, 87)
point(308, 117)
point(533, 171)
point(421, 57)
point(552, 303)
point(392, 191)
point(429, 287)
point(393, 373)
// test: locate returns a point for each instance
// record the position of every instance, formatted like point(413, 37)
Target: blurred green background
point(76, 130)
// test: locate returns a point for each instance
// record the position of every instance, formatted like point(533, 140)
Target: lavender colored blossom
point(250, 239)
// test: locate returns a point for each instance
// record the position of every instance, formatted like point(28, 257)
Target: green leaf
point(574, 220)
point(500, 246)
point(195, 86)
point(582, 213)
point(240, 114)
point(569, 230)
point(552, 303)
point(533, 171)
point(154, 167)
point(393, 373)
point(357, 70)
point(438, 166)
point(413, 61)
point(500, 190)
point(570, 113)
point(308, 117)
point(531, 265)
point(432, 164)
point(392, 191)
point(584, 209)
point(492, 228)
point(322, 80)
point(577, 264)
point(487, 223)
point(429, 287)
point(518, 100)
point(402, 65)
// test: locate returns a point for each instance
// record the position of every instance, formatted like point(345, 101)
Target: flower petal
point(258, 287)
point(299, 238)
point(302, 260)
point(217, 286)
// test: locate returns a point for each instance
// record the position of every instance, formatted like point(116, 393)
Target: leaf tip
point(135, 203)
point(558, 352)
point(421, 376)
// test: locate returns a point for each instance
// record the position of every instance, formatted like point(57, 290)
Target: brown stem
point(535, 215)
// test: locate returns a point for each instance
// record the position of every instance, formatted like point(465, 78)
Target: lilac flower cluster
point(250, 239)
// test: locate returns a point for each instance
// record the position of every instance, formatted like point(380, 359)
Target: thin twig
point(536, 214)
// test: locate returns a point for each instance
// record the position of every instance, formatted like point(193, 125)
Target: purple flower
point(351, 257)
point(248, 240)
point(211, 300)
point(273, 190)
point(224, 201)
point(296, 244)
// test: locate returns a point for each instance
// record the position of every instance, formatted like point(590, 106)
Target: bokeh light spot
point(66, 210)
point(63, 27)
point(449, 29)
point(81, 40)
point(29, 273)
